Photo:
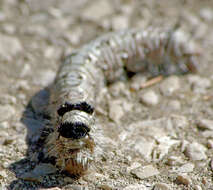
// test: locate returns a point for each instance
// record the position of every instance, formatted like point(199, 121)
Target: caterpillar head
point(71, 142)
point(73, 131)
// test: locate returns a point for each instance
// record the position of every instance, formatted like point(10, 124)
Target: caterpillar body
point(71, 140)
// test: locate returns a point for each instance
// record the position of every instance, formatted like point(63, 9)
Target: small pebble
point(205, 124)
point(22, 85)
point(179, 121)
point(196, 151)
point(6, 112)
point(183, 179)
point(97, 10)
point(186, 168)
point(8, 141)
point(26, 70)
point(199, 84)
point(161, 186)
point(145, 172)
point(145, 147)
point(197, 187)
point(136, 187)
point(202, 164)
point(3, 174)
point(174, 161)
point(133, 166)
point(207, 134)
point(9, 46)
point(154, 128)
point(116, 110)
point(210, 143)
point(174, 105)
point(75, 35)
point(9, 29)
point(120, 22)
point(118, 89)
point(105, 187)
point(204, 181)
point(7, 99)
point(137, 80)
point(4, 125)
point(206, 14)
point(52, 52)
point(170, 85)
point(149, 98)
point(164, 145)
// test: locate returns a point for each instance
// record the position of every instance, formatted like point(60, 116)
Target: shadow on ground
point(35, 117)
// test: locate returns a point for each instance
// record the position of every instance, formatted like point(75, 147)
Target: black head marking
point(82, 106)
point(63, 109)
point(75, 130)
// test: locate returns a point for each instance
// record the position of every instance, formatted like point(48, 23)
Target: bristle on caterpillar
point(81, 76)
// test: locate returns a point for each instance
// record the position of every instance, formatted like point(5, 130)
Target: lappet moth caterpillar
point(72, 141)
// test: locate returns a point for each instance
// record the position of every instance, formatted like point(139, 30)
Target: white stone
point(197, 187)
point(137, 80)
point(120, 22)
point(199, 84)
point(161, 186)
point(97, 10)
point(196, 151)
point(9, 46)
point(205, 124)
point(118, 89)
point(6, 112)
point(135, 187)
point(145, 147)
point(149, 98)
point(186, 168)
point(164, 145)
point(145, 172)
point(116, 110)
point(174, 160)
point(206, 14)
point(170, 85)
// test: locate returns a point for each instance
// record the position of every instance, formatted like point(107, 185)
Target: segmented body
point(81, 76)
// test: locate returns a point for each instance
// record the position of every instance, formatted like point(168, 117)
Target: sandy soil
point(165, 142)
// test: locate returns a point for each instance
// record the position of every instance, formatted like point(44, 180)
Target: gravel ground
point(161, 136)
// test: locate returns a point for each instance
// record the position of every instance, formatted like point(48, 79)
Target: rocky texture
point(149, 98)
point(165, 126)
point(161, 186)
point(6, 112)
point(145, 172)
point(183, 179)
point(10, 46)
point(170, 85)
point(196, 151)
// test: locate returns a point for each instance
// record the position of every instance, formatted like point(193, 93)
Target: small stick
point(152, 81)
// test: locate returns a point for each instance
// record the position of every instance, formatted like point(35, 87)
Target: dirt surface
point(159, 137)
